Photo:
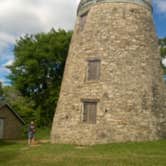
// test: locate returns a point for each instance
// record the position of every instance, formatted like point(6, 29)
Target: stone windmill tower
point(112, 85)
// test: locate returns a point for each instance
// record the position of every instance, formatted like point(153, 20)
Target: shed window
point(89, 112)
point(93, 70)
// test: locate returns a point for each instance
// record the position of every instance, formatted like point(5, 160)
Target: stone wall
point(130, 89)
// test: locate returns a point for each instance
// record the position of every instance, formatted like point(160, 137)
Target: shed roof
point(13, 112)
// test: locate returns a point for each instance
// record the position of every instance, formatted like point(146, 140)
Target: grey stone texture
point(130, 91)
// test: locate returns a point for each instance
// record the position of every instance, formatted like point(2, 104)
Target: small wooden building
point(11, 123)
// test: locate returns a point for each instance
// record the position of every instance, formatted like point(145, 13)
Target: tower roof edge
point(85, 5)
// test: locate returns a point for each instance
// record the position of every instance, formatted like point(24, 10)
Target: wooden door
point(1, 128)
point(90, 112)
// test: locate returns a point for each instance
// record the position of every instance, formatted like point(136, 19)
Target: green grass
point(122, 154)
point(43, 133)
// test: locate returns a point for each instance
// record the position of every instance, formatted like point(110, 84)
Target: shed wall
point(12, 126)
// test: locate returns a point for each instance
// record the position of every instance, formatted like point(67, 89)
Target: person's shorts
point(30, 135)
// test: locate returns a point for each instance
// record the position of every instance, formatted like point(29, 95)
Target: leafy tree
point(162, 43)
point(1, 91)
point(1, 94)
point(20, 104)
point(38, 69)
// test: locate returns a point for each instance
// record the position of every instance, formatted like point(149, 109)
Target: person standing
point(31, 133)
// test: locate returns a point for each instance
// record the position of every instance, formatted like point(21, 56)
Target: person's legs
point(28, 141)
point(33, 139)
point(29, 138)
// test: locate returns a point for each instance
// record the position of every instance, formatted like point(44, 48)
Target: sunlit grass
point(123, 154)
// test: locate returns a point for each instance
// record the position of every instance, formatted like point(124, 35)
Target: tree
point(162, 43)
point(20, 104)
point(1, 91)
point(38, 69)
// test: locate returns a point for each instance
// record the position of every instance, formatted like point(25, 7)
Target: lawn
point(46, 154)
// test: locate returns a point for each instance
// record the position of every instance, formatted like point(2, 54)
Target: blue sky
point(159, 15)
point(41, 16)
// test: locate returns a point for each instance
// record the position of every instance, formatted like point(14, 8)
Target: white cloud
point(3, 73)
point(19, 17)
point(5, 40)
point(161, 5)
point(31, 16)
point(164, 62)
point(8, 63)
point(4, 70)
point(7, 37)
point(2, 80)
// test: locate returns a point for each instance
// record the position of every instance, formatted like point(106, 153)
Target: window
point(82, 22)
point(89, 112)
point(93, 70)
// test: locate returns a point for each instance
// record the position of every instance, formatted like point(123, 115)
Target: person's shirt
point(31, 129)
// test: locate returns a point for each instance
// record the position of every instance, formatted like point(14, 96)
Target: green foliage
point(162, 43)
point(22, 105)
point(121, 154)
point(38, 69)
point(1, 91)
point(42, 133)
point(1, 94)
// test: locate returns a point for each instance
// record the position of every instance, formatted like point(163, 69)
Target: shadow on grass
point(7, 157)
point(6, 143)
point(8, 151)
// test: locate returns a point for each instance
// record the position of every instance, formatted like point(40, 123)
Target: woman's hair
point(32, 122)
